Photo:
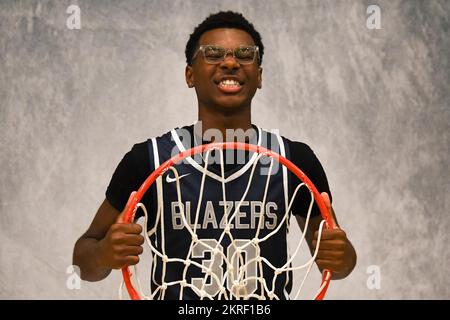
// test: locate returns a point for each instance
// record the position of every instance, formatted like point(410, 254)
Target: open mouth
point(229, 86)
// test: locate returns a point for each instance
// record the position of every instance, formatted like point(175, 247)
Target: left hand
point(336, 253)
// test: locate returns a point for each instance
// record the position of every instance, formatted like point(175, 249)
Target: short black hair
point(223, 19)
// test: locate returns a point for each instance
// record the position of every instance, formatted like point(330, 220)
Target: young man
point(224, 56)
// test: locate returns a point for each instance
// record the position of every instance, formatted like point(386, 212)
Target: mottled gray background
point(373, 104)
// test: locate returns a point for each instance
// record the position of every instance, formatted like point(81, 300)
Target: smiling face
point(227, 86)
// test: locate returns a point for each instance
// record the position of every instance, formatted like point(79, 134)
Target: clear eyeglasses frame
point(214, 54)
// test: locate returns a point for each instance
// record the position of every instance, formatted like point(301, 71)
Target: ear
point(189, 75)
point(260, 70)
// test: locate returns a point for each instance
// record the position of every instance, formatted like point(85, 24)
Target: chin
point(231, 103)
point(230, 108)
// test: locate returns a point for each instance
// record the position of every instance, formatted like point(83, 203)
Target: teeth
point(229, 83)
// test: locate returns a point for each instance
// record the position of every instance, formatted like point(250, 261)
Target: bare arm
point(107, 244)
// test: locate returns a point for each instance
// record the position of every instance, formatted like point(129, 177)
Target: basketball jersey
point(206, 211)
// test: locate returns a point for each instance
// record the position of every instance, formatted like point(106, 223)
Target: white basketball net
point(240, 284)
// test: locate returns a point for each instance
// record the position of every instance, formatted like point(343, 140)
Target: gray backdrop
point(373, 105)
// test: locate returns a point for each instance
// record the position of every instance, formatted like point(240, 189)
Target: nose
point(229, 62)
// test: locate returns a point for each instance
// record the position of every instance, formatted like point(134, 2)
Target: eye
point(245, 52)
point(214, 52)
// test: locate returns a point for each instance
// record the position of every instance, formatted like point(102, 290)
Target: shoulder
point(298, 146)
point(142, 150)
point(303, 156)
point(300, 152)
point(184, 132)
point(139, 150)
point(306, 160)
point(136, 158)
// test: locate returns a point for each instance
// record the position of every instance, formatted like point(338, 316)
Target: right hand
point(121, 245)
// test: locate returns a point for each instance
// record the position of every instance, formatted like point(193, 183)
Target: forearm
point(85, 256)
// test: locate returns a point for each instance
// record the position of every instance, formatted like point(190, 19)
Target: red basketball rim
point(134, 200)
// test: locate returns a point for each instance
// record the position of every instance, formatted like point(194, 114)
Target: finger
point(135, 240)
point(326, 199)
point(132, 228)
point(337, 245)
point(121, 216)
point(127, 261)
point(127, 228)
point(128, 239)
point(131, 250)
point(331, 255)
point(132, 260)
point(327, 264)
point(331, 234)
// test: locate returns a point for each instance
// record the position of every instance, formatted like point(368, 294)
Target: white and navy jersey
point(208, 216)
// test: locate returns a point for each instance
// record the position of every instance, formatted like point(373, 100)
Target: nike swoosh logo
point(169, 179)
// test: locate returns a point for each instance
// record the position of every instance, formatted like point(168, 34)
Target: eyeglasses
point(214, 54)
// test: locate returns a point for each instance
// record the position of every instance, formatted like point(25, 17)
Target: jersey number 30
point(212, 286)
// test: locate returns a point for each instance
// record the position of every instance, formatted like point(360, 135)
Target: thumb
point(121, 216)
point(327, 201)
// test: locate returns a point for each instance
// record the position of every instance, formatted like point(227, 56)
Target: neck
point(213, 120)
